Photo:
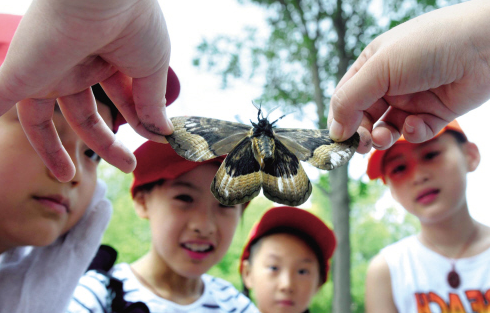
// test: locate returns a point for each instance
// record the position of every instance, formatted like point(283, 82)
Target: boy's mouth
point(55, 202)
point(427, 196)
point(198, 247)
point(197, 251)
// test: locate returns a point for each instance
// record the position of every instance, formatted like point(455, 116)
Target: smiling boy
point(190, 232)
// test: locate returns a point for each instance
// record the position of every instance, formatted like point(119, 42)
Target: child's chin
point(194, 271)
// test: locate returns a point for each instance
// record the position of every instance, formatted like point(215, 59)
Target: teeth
point(197, 247)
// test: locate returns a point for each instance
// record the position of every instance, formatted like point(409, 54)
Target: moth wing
point(238, 179)
point(317, 148)
point(284, 180)
point(199, 138)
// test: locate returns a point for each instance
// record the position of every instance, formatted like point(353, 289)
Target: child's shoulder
point(226, 295)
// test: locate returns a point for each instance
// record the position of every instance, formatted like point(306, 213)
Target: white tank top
point(419, 280)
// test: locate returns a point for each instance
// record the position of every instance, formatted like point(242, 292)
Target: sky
point(189, 21)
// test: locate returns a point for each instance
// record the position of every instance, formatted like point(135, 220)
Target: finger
point(80, 111)
point(422, 127)
point(150, 103)
point(36, 118)
point(424, 115)
point(389, 128)
point(357, 94)
point(119, 88)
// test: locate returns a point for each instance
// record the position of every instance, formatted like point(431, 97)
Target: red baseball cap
point(375, 162)
point(295, 218)
point(8, 25)
point(157, 161)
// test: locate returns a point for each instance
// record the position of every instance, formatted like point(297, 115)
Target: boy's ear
point(140, 204)
point(246, 274)
point(472, 156)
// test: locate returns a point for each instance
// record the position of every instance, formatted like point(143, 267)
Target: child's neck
point(451, 236)
point(164, 282)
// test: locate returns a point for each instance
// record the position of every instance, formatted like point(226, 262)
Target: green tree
point(309, 48)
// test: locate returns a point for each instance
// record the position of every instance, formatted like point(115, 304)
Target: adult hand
point(45, 279)
point(61, 48)
point(416, 78)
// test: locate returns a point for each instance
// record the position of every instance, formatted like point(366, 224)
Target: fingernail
point(170, 126)
point(336, 130)
point(409, 129)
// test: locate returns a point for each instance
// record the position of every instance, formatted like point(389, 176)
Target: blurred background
point(286, 53)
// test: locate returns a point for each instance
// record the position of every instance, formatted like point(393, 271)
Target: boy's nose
point(420, 175)
point(203, 222)
point(286, 282)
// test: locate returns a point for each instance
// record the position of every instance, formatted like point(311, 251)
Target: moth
point(259, 157)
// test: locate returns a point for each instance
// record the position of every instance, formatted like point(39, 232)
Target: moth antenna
point(258, 108)
point(272, 111)
point(278, 119)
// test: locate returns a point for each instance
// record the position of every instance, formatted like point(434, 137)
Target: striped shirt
point(91, 295)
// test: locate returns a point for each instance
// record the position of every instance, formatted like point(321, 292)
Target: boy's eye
point(398, 169)
point(92, 155)
point(303, 271)
point(431, 155)
point(227, 206)
point(185, 198)
point(272, 268)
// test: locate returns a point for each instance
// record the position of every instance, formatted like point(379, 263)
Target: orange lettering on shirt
point(433, 297)
point(479, 303)
point(422, 303)
point(455, 304)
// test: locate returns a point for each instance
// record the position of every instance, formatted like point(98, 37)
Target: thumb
point(364, 89)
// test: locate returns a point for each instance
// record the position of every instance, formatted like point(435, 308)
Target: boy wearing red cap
point(446, 267)
point(286, 259)
point(191, 232)
point(49, 231)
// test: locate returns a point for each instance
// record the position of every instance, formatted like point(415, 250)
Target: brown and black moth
point(261, 156)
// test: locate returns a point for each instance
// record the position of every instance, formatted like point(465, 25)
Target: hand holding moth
point(61, 48)
point(260, 156)
point(416, 78)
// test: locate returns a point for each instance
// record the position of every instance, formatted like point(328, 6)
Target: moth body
point(263, 148)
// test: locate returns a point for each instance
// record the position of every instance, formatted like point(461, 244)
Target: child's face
point(429, 179)
point(284, 274)
point(35, 208)
point(191, 230)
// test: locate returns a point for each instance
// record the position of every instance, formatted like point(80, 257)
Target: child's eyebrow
point(183, 184)
point(390, 158)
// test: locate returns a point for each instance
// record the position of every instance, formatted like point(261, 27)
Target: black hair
point(460, 138)
point(310, 242)
point(101, 96)
point(146, 188)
